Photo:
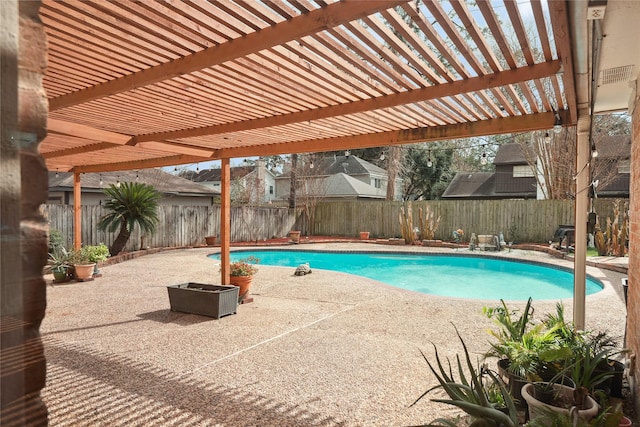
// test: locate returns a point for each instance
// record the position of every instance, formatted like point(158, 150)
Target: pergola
point(141, 84)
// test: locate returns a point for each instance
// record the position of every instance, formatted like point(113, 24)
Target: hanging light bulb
point(118, 181)
point(347, 153)
point(382, 157)
point(57, 173)
point(101, 182)
point(311, 165)
point(557, 123)
point(429, 162)
point(594, 150)
point(137, 176)
point(197, 167)
point(483, 159)
point(547, 138)
point(175, 169)
point(245, 162)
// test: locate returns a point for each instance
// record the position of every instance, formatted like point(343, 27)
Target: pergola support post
point(581, 211)
point(77, 211)
point(225, 222)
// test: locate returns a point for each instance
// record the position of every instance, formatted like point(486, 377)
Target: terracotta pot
point(295, 236)
point(210, 240)
point(84, 271)
point(364, 235)
point(243, 282)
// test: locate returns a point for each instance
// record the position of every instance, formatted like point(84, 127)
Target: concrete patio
point(324, 349)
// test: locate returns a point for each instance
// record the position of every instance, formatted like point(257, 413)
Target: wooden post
point(225, 222)
point(77, 211)
point(583, 150)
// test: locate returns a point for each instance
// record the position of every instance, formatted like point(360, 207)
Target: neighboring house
point(613, 166)
point(513, 179)
point(175, 190)
point(343, 177)
point(256, 180)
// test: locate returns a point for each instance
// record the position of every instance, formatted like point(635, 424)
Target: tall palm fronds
point(130, 204)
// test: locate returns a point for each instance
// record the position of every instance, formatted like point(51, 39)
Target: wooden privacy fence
point(178, 226)
point(518, 220)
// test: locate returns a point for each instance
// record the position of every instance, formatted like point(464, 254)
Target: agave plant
point(470, 393)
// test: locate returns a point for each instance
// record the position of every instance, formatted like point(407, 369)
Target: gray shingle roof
point(162, 181)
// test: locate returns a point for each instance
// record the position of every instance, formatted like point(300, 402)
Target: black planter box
point(206, 300)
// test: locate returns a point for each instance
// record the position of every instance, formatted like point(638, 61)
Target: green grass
point(592, 252)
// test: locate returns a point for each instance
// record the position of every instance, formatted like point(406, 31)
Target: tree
point(427, 171)
point(131, 204)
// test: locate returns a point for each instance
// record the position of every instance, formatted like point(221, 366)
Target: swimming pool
point(475, 277)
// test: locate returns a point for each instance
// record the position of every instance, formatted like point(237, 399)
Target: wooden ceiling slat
point(521, 34)
point(350, 61)
point(387, 75)
point(270, 36)
point(561, 34)
point(434, 37)
point(543, 35)
point(474, 31)
point(419, 45)
point(357, 82)
point(383, 54)
point(493, 23)
point(135, 37)
point(455, 37)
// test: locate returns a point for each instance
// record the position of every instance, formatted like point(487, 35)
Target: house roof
point(351, 165)
point(614, 146)
point(164, 182)
point(510, 154)
point(133, 85)
point(471, 185)
point(343, 185)
point(215, 175)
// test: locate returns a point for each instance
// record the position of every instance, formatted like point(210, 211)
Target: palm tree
point(130, 204)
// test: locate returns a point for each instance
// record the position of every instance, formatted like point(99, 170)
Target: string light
point(594, 150)
point(547, 138)
point(483, 159)
point(382, 157)
point(347, 153)
point(175, 169)
point(118, 181)
point(197, 167)
point(57, 173)
point(429, 162)
point(137, 176)
point(101, 182)
point(557, 123)
point(311, 164)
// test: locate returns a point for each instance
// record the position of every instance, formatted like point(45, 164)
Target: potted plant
point(96, 254)
point(242, 272)
point(210, 240)
point(364, 235)
point(295, 236)
point(82, 264)
point(58, 264)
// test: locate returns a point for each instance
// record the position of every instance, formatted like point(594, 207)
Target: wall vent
point(616, 75)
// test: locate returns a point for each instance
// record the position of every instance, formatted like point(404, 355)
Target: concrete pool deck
point(323, 349)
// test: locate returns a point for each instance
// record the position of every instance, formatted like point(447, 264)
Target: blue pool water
point(453, 276)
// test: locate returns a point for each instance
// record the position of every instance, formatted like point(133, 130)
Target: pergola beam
point(310, 23)
point(407, 136)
